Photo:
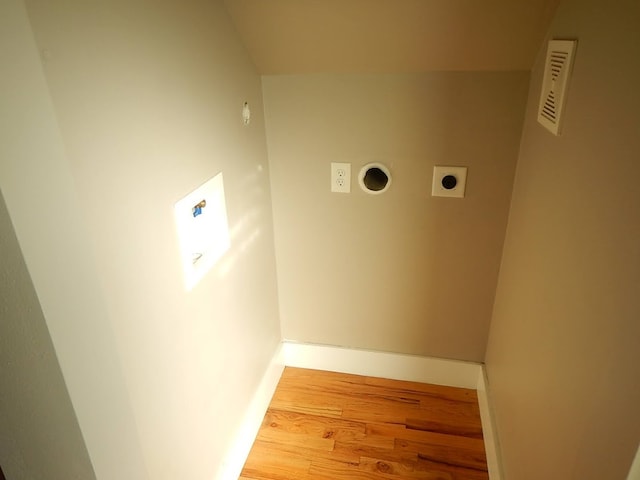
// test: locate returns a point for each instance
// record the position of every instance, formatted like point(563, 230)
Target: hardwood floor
point(333, 426)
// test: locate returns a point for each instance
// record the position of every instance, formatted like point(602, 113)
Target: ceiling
point(391, 36)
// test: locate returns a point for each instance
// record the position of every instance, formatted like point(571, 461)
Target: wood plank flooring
point(333, 426)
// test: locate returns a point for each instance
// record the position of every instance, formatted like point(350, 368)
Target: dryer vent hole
point(375, 179)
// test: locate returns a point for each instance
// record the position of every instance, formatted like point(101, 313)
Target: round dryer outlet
point(449, 181)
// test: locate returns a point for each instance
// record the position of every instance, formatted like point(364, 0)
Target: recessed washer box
point(203, 230)
point(449, 181)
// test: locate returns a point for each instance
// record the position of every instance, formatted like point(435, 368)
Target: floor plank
point(332, 426)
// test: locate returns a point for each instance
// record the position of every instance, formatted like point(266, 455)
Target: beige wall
point(564, 348)
point(394, 36)
point(41, 199)
point(145, 105)
point(39, 433)
point(402, 271)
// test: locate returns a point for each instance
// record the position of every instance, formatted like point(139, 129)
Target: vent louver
point(558, 65)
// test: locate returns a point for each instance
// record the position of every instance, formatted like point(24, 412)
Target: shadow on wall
point(39, 433)
point(479, 120)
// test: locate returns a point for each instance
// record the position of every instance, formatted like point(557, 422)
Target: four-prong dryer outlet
point(449, 181)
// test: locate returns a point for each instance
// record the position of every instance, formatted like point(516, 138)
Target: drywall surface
point(373, 36)
point(564, 348)
point(38, 189)
point(39, 433)
point(402, 271)
point(148, 98)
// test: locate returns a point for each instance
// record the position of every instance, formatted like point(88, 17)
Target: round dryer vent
point(374, 178)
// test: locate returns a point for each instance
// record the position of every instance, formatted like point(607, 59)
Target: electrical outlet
point(341, 177)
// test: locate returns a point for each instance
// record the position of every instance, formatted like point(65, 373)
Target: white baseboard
point(489, 432)
point(395, 366)
point(241, 445)
point(361, 362)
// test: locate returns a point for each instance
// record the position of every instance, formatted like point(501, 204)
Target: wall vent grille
point(558, 64)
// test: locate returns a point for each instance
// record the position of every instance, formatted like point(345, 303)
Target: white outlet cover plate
point(439, 172)
point(341, 177)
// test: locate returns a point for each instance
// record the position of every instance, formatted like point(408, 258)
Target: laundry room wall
point(111, 113)
point(564, 347)
point(402, 271)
